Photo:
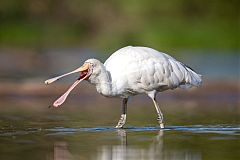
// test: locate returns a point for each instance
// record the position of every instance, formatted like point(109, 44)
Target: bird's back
point(142, 69)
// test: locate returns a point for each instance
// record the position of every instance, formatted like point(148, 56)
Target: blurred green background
point(108, 25)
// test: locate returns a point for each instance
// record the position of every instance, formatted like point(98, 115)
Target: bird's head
point(95, 69)
point(88, 71)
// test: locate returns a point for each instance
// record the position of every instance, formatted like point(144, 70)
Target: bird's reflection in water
point(124, 151)
point(127, 150)
point(155, 150)
point(61, 151)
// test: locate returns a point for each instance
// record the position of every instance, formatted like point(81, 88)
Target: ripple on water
point(219, 129)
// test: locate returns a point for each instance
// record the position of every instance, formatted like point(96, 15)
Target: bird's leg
point(123, 117)
point(160, 115)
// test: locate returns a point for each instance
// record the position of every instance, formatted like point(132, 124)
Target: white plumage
point(142, 69)
point(135, 70)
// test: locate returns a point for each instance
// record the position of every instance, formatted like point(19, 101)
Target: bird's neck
point(103, 82)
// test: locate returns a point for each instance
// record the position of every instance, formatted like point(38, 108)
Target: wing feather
point(142, 68)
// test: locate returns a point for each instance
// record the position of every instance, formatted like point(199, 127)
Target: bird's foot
point(121, 121)
point(161, 125)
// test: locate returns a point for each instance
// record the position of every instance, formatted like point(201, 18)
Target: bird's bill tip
point(50, 80)
point(47, 82)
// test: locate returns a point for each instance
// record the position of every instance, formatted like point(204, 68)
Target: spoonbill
point(130, 71)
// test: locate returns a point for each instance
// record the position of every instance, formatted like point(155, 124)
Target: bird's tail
point(191, 78)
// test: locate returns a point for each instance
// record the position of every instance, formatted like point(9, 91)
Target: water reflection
point(155, 150)
point(105, 143)
point(61, 151)
point(125, 149)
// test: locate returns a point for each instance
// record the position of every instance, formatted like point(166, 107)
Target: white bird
point(131, 71)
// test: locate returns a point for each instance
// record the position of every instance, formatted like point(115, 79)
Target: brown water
point(83, 131)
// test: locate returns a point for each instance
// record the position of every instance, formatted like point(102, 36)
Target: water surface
point(89, 133)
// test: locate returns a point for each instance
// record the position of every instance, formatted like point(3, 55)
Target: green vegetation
point(165, 25)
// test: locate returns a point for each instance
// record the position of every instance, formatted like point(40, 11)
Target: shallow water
point(88, 133)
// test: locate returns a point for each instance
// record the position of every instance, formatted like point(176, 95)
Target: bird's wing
point(146, 68)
